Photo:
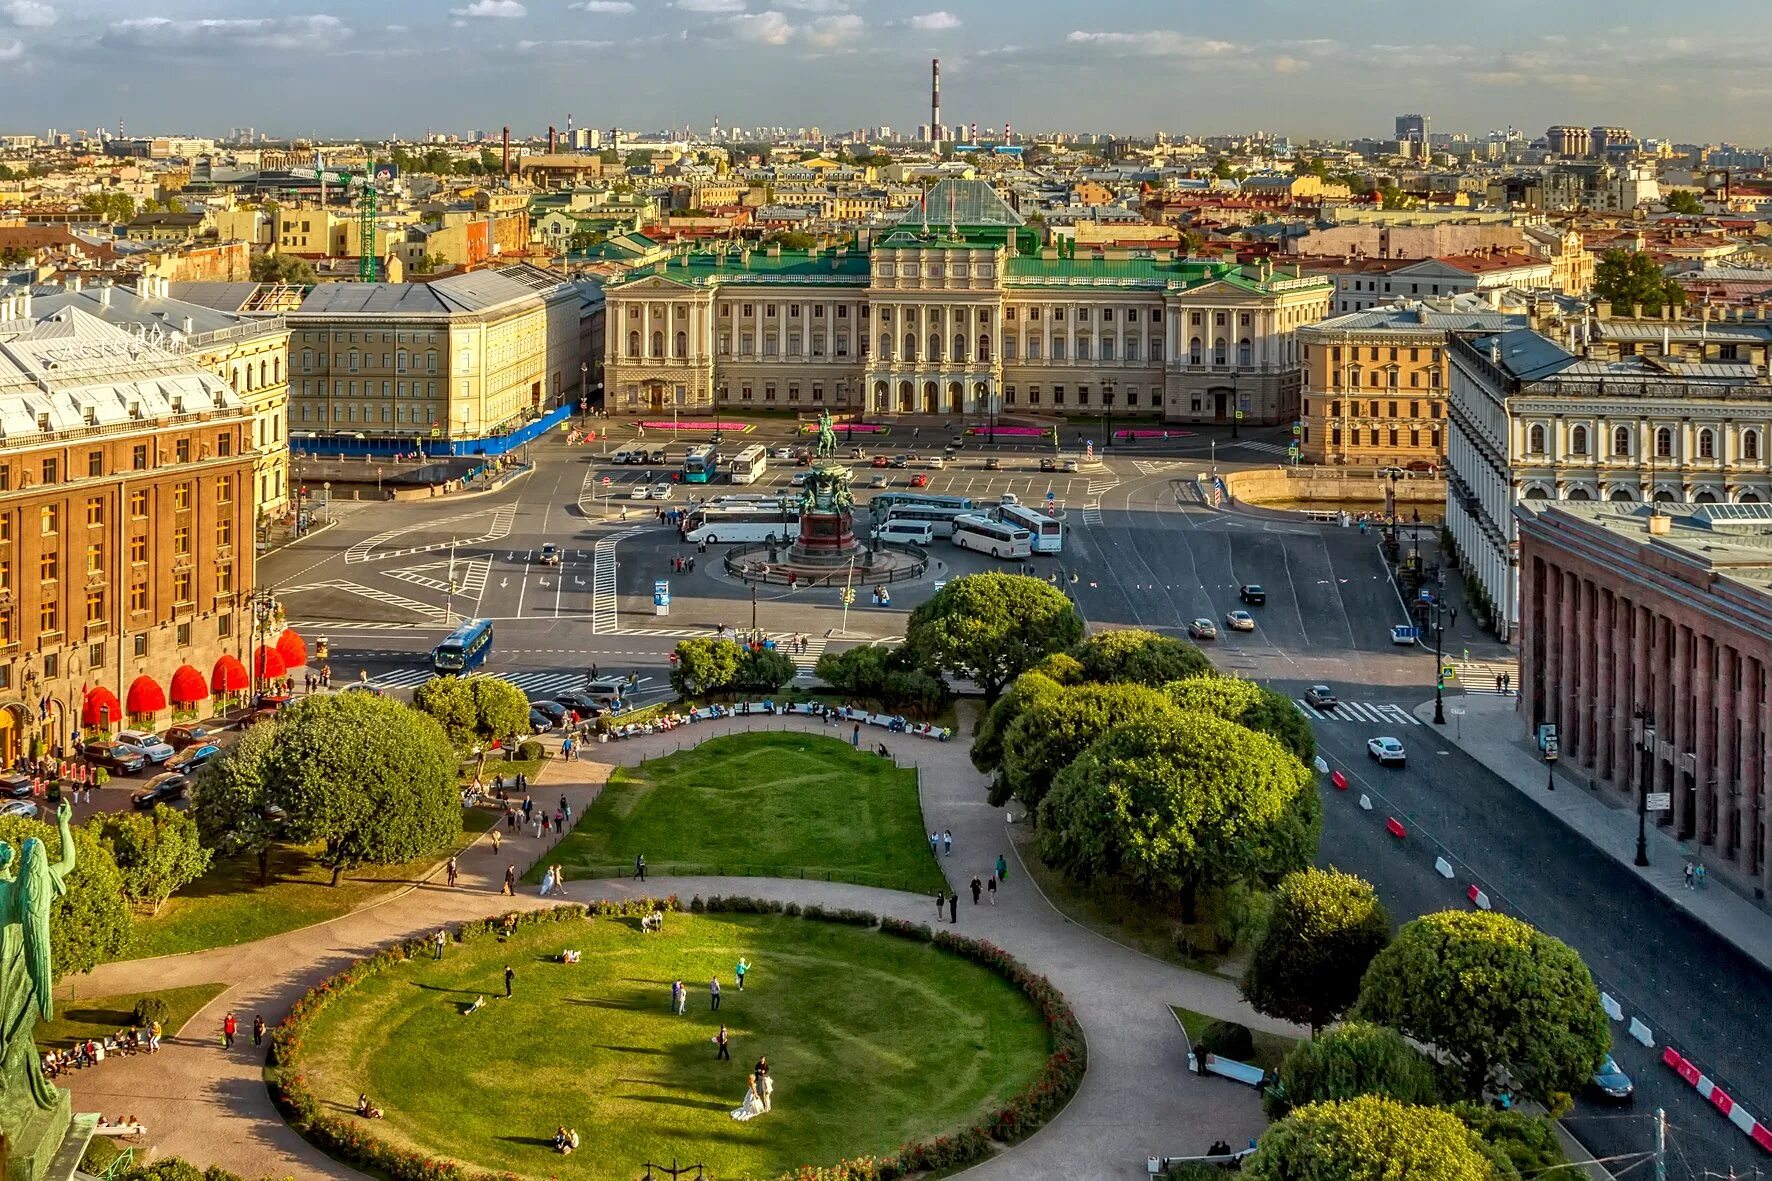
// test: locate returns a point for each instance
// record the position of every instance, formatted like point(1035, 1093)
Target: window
point(138, 504)
point(95, 463)
point(1578, 440)
point(181, 587)
point(181, 540)
point(95, 511)
point(224, 489)
point(224, 580)
point(1664, 443)
point(1750, 444)
point(1194, 347)
point(49, 520)
point(138, 459)
point(95, 558)
point(48, 620)
point(95, 609)
point(1621, 441)
point(224, 532)
point(181, 497)
point(48, 567)
point(138, 551)
point(1707, 445)
point(1535, 439)
point(138, 601)
point(181, 451)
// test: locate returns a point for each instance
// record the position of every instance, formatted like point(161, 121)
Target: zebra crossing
point(1384, 713)
point(603, 581)
point(1097, 486)
point(537, 683)
point(1269, 448)
point(470, 575)
point(1478, 676)
point(387, 598)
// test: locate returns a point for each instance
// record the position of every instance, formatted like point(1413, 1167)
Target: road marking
point(502, 520)
point(1363, 713)
point(603, 581)
point(470, 575)
point(368, 592)
point(1270, 448)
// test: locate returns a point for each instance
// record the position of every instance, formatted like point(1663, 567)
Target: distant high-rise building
point(1413, 128)
point(1602, 140)
point(1565, 140)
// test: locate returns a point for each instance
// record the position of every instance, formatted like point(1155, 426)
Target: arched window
point(1707, 444)
point(959, 353)
point(1579, 494)
point(1218, 351)
point(1750, 444)
point(633, 344)
point(1245, 350)
point(262, 370)
point(1578, 440)
point(1664, 442)
point(681, 345)
point(1193, 351)
point(1537, 492)
point(934, 346)
point(910, 346)
point(1535, 439)
point(658, 344)
point(984, 348)
point(1621, 441)
point(276, 368)
point(1622, 494)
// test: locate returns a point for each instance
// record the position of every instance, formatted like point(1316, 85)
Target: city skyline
point(379, 68)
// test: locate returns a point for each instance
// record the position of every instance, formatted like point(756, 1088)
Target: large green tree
point(1249, 704)
point(1501, 1001)
point(501, 711)
point(233, 801)
point(1174, 806)
point(1369, 1139)
point(705, 665)
point(764, 670)
point(1132, 654)
point(1051, 731)
point(281, 268)
point(156, 853)
point(1626, 277)
point(993, 627)
point(1684, 202)
point(994, 723)
point(1353, 1059)
point(1321, 935)
point(90, 922)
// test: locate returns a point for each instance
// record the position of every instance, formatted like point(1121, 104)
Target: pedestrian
point(1688, 875)
point(528, 807)
point(739, 969)
point(258, 1030)
point(560, 879)
point(720, 1040)
point(640, 866)
point(941, 901)
point(547, 882)
point(947, 842)
point(676, 997)
point(954, 907)
point(510, 978)
point(522, 781)
point(230, 1025)
point(1002, 869)
point(1700, 873)
point(855, 736)
point(1499, 681)
point(977, 889)
point(449, 870)
point(990, 887)
point(497, 837)
point(510, 880)
point(536, 827)
point(714, 994)
point(935, 844)
point(437, 944)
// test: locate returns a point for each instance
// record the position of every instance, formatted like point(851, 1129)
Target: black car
point(1048, 463)
point(1253, 594)
point(993, 464)
point(656, 455)
point(901, 460)
point(539, 722)
point(168, 787)
point(577, 701)
point(15, 786)
point(552, 710)
point(192, 757)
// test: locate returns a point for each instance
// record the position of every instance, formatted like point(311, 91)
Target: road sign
point(1051, 495)
point(607, 481)
point(1661, 801)
point(661, 597)
point(1239, 416)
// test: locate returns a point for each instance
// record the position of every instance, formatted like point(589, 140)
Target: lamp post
point(1646, 747)
point(584, 390)
point(1236, 407)
point(1442, 615)
point(1107, 414)
point(1415, 533)
point(264, 607)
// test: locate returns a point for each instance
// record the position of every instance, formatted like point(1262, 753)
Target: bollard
point(1366, 801)
point(1477, 896)
point(1395, 827)
point(1339, 780)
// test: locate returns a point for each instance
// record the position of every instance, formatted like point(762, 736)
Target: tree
point(1051, 731)
point(1391, 197)
point(1368, 1139)
point(282, 268)
point(110, 204)
point(1321, 935)
point(157, 854)
point(13, 256)
point(705, 666)
point(233, 801)
point(1132, 654)
point(1627, 277)
point(855, 672)
point(991, 628)
point(450, 703)
point(90, 923)
point(501, 711)
point(1177, 805)
point(369, 779)
point(764, 670)
point(1248, 704)
point(994, 723)
point(1354, 1059)
point(1684, 202)
point(792, 240)
point(1504, 1003)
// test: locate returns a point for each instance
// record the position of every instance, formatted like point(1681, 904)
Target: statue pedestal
point(38, 1145)
point(826, 539)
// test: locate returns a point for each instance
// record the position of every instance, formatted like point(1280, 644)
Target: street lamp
point(1646, 747)
point(263, 604)
point(1442, 616)
point(1107, 415)
point(584, 390)
point(1236, 407)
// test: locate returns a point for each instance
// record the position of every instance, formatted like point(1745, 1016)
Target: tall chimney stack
point(507, 146)
point(935, 106)
point(551, 140)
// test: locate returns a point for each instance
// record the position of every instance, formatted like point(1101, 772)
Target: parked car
point(993, 464)
point(21, 808)
point(1610, 1083)
point(192, 757)
point(1253, 594)
point(539, 722)
point(151, 744)
point(639, 492)
point(168, 787)
point(1072, 465)
point(624, 457)
point(1202, 629)
point(662, 491)
point(656, 455)
point(935, 463)
point(902, 460)
point(191, 735)
point(784, 453)
point(1048, 463)
point(552, 710)
point(880, 480)
point(920, 480)
point(550, 554)
point(1388, 751)
point(880, 461)
point(1321, 696)
point(582, 702)
point(114, 756)
point(15, 785)
point(1239, 621)
point(798, 480)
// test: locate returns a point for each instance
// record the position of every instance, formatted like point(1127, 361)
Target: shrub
point(149, 1010)
point(1227, 1039)
point(100, 1152)
point(530, 750)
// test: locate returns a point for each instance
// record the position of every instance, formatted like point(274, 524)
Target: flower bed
point(666, 424)
point(350, 1140)
point(859, 428)
point(1032, 432)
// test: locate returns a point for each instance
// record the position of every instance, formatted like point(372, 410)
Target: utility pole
point(1660, 1144)
point(449, 597)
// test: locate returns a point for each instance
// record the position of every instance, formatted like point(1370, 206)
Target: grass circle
point(872, 1041)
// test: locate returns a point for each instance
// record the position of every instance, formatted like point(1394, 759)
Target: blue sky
point(1692, 71)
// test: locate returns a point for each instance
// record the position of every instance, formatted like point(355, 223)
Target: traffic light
point(848, 595)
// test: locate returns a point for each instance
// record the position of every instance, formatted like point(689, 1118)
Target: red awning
point(145, 696)
point(292, 648)
point(268, 663)
point(229, 675)
point(100, 708)
point(188, 686)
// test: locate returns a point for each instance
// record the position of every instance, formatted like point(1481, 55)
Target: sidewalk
point(1491, 732)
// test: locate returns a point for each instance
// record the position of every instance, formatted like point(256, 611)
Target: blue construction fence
point(491, 446)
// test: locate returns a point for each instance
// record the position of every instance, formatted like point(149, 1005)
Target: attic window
point(43, 422)
point(135, 410)
point(91, 416)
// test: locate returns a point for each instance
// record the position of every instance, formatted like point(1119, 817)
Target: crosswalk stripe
point(1365, 713)
point(535, 681)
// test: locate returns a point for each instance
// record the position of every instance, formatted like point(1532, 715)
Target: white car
point(1009, 498)
point(784, 453)
point(24, 808)
point(1388, 751)
point(550, 554)
point(639, 492)
point(662, 491)
point(1240, 621)
point(153, 747)
point(799, 480)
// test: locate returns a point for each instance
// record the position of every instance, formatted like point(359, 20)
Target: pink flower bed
point(667, 425)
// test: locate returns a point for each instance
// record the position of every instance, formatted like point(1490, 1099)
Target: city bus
point(940, 517)
point(749, 465)
point(701, 464)
point(999, 539)
point(466, 649)
point(884, 503)
point(733, 523)
point(1048, 532)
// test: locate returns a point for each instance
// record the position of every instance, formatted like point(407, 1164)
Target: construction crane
point(366, 271)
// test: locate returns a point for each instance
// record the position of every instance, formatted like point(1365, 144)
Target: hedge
point(348, 1139)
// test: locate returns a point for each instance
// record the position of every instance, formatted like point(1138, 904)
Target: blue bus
point(466, 648)
point(702, 464)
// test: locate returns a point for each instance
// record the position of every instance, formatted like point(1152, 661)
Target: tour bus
point(701, 464)
point(716, 525)
point(999, 539)
point(1048, 532)
point(884, 503)
point(749, 465)
point(466, 649)
point(939, 516)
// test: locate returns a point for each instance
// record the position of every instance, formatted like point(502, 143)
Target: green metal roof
point(704, 268)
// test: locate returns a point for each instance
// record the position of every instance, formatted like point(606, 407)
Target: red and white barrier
point(1395, 828)
point(1339, 780)
point(1476, 895)
point(1736, 1114)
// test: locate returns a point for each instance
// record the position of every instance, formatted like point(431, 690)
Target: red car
point(879, 461)
point(920, 480)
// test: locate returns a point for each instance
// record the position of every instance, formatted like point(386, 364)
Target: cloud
point(318, 33)
point(1287, 64)
point(816, 5)
point(28, 14)
point(607, 7)
point(715, 6)
point(537, 48)
point(763, 28)
point(1156, 43)
point(935, 22)
point(11, 51)
point(491, 10)
point(833, 32)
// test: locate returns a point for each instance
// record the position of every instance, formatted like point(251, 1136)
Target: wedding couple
point(759, 1091)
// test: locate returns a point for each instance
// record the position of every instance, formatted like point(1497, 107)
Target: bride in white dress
point(752, 1106)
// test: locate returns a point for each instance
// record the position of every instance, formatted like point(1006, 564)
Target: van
point(605, 689)
point(906, 532)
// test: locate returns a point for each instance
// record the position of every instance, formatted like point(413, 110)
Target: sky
point(1692, 72)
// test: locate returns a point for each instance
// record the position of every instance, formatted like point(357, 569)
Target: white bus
point(999, 539)
point(940, 517)
point(730, 524)
point(748, 466)
point(1048, 532)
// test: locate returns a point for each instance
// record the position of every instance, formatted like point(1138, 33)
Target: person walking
point(258, 1030)
point(739, 969)
point(560, 880)
point(449, 870)
point(1002, 868)
point(496, 838)
point(714, 994)
point(990, 888)
point(947, 842)
point(941, 901)
point(720, 1040)
point(437, 942)
point(954, 907)
point(230, 1026)
point(677, 998)
point(1699, 874)
point(547, 882)
point(855, 736)
point(510, 880)
point(977, 889)
point(510, 979)
point(640, 866)
point(1688, 882)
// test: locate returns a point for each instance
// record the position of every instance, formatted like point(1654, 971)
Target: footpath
point(211, 1107)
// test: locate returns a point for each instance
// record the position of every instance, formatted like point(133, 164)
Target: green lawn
point(871, 1040)
point(762, 805)
point(227, 905)
point(78, 1018)
point(1269, 1047)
